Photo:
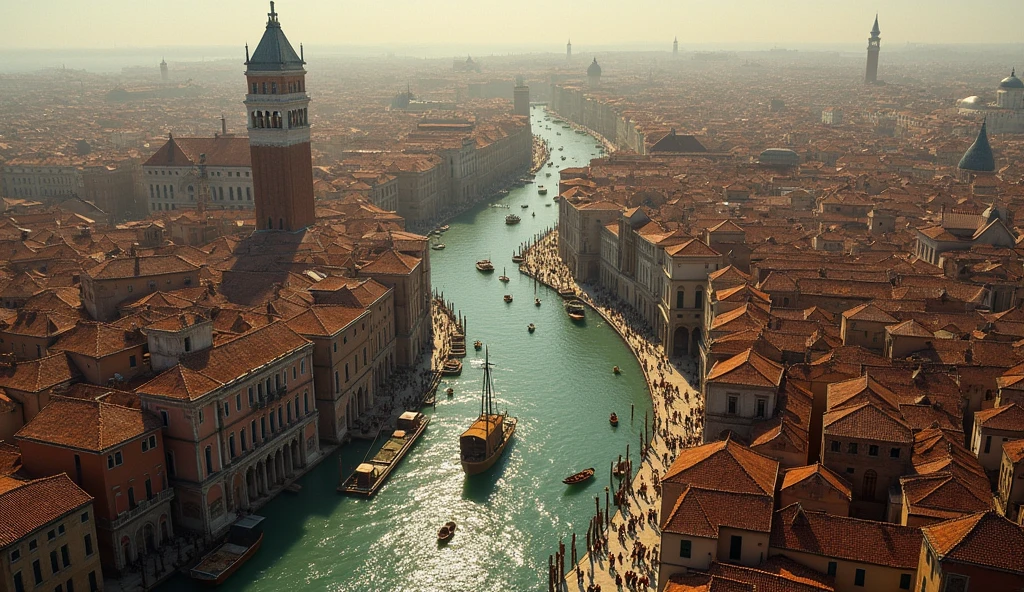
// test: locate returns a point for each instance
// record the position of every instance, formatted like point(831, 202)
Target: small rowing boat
point(478, 344)
point(531, 328)
point(613, 419)
point(579, 477)
point(508, 298)
point(615, 370)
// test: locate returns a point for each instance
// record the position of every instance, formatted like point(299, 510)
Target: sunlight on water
point(557, 381)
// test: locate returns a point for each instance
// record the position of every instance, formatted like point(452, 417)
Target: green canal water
point(557, 381)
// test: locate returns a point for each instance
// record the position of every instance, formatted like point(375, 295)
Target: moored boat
point(244, 539)
point(518, 258)
point(575, 309)
point(485, 265)
point(485, 441)
point(580, 477)
point(452, 367)
point(437, 246)
point(370, 476)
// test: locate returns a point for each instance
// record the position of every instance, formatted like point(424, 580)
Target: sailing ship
point(484, 442)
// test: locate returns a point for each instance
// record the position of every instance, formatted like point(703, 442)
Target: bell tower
point(874, 44)
point(278, 121)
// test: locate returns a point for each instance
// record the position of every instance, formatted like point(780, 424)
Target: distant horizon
point(115, 58)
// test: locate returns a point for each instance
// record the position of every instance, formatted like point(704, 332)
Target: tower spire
point(874, 45)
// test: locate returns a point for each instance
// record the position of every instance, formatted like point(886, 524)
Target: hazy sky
point(544, 23)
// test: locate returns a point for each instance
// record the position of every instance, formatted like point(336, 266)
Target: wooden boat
point(613, 419)
point(567, 293)
point(512, 219)
point(615, 370)
point(524, 206)
point(579, 477)
point(478, 344)
point(444, 228)
point(452, 367)
point(542, 190)
point(508, 298)
point(502, 277)
point(518, 258)
point(449, 391)
point(485, 441)
point(621, 469)
point(244, 539)
point(484, 265)
point(370, 476)
point(575, 309)
point(536, 301)
point(445, 534)
point(437, 246)
point(531, 328)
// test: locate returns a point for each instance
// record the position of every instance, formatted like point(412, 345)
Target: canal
point(557, 381)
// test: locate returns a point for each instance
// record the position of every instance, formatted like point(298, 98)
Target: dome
point(595, 70)
point(978, 157)
point(1011, 82)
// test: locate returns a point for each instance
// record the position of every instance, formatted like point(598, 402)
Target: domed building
point(594, 74)
point(1006, 115)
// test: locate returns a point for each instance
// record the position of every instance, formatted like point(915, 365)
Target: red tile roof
point(219, 151)
point(1008, 417)
point(851, 539)
point(984, 539)
point(747, 368)
point(98, 340)
point(34, 376)
point(87, 424)
point(817, 473)
point(37, 503)
point(701, 512)
point(724, 466)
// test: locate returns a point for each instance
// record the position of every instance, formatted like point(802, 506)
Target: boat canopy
point(400, 434)
point(480, 428)
point(249, 522)
point(365, 468)
point(408, 416)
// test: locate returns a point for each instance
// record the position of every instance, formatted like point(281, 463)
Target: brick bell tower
point(278, 114)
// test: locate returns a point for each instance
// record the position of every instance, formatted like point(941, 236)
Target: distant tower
point(278, 114)
point(675, 47)
point(594, 74)
point(874, 44)
point(568, 50)
point(521, 98)
point(163, 70)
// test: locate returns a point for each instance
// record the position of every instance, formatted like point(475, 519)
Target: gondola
point(445, 533)
point(579, 477)
point(613, 419)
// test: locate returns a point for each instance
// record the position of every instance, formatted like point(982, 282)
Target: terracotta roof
point(1008, 417)
point(325, 320)
point(747, 368)
point(219, 151)
point(775, 574)
point(869, 312)
point(692, 248)
point(985, 539)
point(817, 473)
point(942, 495)
point(391, 262)
point(37, 375)
point(1014, 451)
point(724, 466)
point(126, 267)
point(34, 504)
point(204, 371)
point(850, 539)
point(10, 459)
point(87, 424)
point(909, 328)
point(869, 422)
point(862, 389)
point(97, 340)
point(701, 512)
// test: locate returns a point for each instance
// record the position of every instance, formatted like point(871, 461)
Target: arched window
point(870, 481)
point(680, 297)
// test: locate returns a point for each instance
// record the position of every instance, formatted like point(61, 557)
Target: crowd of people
point(677, 424)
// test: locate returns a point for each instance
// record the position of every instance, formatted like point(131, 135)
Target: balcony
point(142, 507)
